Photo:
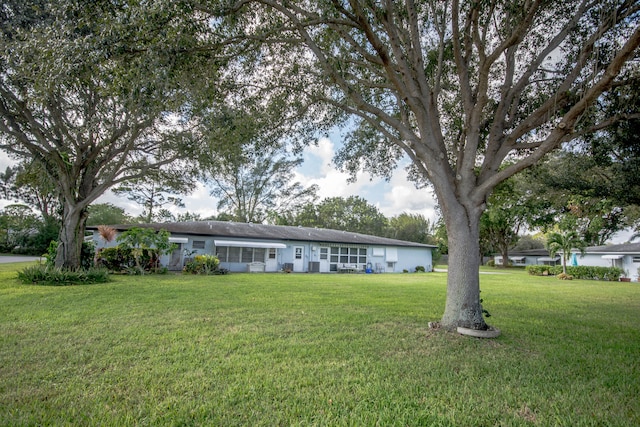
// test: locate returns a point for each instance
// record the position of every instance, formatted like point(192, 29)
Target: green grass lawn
point(305, 349)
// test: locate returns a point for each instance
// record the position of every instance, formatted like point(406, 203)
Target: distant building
point(529, 257)
point(625, 256)
point(270, 248)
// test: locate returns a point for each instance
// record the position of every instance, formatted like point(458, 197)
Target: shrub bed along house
point(203, 264)
point(610, 274)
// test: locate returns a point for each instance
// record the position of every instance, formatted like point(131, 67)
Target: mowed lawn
point(310, 349)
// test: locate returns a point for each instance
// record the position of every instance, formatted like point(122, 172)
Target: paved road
point(17, 258)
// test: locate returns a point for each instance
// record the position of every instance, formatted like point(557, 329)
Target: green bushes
point(420, 269)
point(540, 270)
point(610, 274)
point(51, 276)
point(87, 254)
point(138, 252)
point(121, 259)
point(202, 264)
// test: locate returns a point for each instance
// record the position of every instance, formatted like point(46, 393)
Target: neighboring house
point(625, 256)
point(260, 247)
point(530, 257)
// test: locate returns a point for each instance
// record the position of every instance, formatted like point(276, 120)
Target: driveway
point(18, 258)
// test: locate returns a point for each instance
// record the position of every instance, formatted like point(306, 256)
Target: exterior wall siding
point(407, 258)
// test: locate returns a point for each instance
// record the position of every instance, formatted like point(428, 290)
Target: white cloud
point(392, 198)
point(200, 202)
point(319, 169)
point(403, 196)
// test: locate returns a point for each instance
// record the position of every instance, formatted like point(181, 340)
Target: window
point(324, 253)
point(347, 256)
point(334, 256)
point(636, 259)
point(272, 253)
point(233, 254)
point(198, 244)
point(298, 253)
point(247, 254)
point(259, 254)
point(221, 253)
point(378, 252)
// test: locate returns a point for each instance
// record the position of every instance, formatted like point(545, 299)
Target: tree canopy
point(259, 185)
point(352, 213)
point(459, 87)
point(87, 91)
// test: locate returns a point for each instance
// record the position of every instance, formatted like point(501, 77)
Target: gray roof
point(265, 232)
point(630, 248)
point(527, 252)
point(624, 248)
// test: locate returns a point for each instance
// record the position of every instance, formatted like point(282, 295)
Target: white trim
point(546, 258)
point(612, 256)
point(178, 240)
point(244, 244)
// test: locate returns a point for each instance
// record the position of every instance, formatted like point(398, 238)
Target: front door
point(324, 259)
point(272, 260)
point(298, 258)
point(175, 263)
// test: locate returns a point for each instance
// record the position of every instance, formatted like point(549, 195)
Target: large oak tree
point(460, 87)
point(87, 90)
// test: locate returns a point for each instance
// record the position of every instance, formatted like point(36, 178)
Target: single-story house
point(530, 257)
point(260, 247)
point(625, 256)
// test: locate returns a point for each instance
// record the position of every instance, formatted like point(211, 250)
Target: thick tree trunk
point(505, 255)
point(71, 237)
point(463, 306)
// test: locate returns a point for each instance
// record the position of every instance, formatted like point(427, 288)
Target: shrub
point(51, 276)
point(610, 274)
point(539, 270)
point(202, 264)
point(121, 259)
point(491, 263)
point(563, 276)
point(420, 269)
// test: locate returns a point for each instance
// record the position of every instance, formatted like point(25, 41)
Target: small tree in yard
point(86, 91)
point(141, 240)
point(564, 242)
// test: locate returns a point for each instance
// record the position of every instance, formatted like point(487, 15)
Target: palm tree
point(564, 242)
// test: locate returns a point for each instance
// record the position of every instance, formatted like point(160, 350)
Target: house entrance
point(175, 263)
point(298, 258)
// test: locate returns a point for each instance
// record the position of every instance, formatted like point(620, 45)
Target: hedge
point(611, 274)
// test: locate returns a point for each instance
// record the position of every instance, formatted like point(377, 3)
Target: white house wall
point(626, 262)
